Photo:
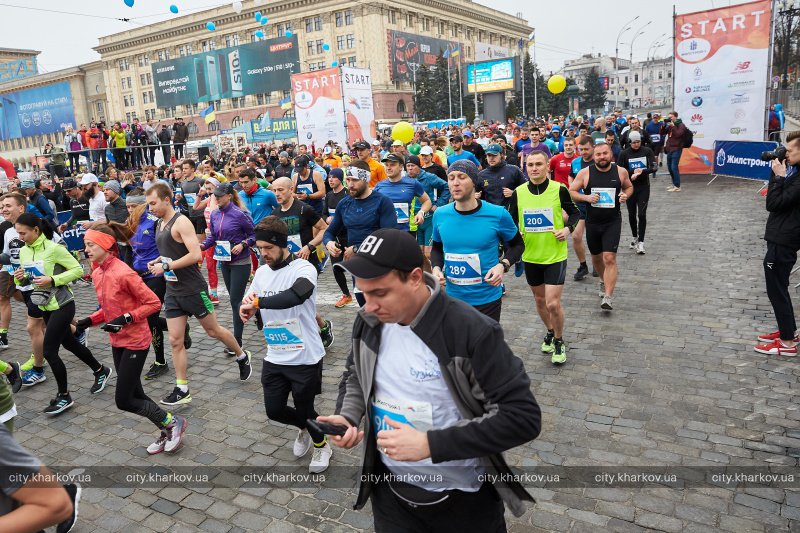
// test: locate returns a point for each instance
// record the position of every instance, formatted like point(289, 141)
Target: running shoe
point(59, 404)
point(640, 248)
point(244, 366)
point(32, 377)
point(602, 291)
point(320, 460)
point(559, 356)
point(158, 446)
point(302, 443)
point(214, 298)
point(776, 347)
point(3, 341)
point(595, 274)
point(80, 336)
point(606, 304)
point(633, 244)
point(156, 370)
point(582, 272)
point(175, 431)
point(343, 301)
point(187, 337)
point(14, 378)
point(177, 397)
point(519, 269)
point(74, 491)
point(28, 365)
point(547, 345)
point(326, 334)
point(230, 353)
point(774, 336)
point(101, 380)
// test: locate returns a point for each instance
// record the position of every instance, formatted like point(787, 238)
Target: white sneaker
point(640, 248)
point(158, 446)
point(633, 244)
point(671, 188)
point(606, 304)
point(175, 433)
point(302, 443)
point(602, 291)
point(320, 459)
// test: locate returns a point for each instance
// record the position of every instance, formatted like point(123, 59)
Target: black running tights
point(129, 394)
point(58, 333)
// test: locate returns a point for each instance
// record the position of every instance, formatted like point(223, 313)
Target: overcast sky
point(563, 30)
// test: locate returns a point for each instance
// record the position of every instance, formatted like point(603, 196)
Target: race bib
point(539, 220)
point(463, 269)
point(34, 268)
point(331, 212)
point(637, 162)
point(401, 210)
point(284, 335)
point(9, 268)
point(222, 251)
point(295, 245)
point(655, 138)
point(418, 415)
point(607, 199)
point(169, 276)
point(305, 187)
point(191, 199)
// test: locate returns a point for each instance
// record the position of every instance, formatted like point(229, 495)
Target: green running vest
point(539, 215)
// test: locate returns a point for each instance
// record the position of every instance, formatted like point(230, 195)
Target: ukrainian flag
point(208, 114)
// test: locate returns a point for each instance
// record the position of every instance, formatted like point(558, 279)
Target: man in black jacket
point(435, 382)
point(164, 138)
point(783, 240)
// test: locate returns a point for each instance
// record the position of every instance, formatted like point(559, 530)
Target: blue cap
point(336, 173)
point(555, 128)
point(467, 134)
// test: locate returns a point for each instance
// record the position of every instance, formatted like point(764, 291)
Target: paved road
point(668, 379)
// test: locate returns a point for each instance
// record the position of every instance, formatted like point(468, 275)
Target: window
point(351, 61)
point(454, 31)
point(409, 20)
point(314, 24)
point(309, 25)
point(126, 101)
point(635, 78)
point(236, 122)
point(123, 64)
point(392, 16)
point(320, 42)
point(150, 95)
point(287, 94)
point(660, 75)
point(144, 98)
point(260, 99)
point(255, 38)
point(191, 109)
point(192, 128)
point(442, 27)
point(145, 79)
point(426, 24)
point(401, 106)
point(340, 42)
point(351, 41)
point(669, 74)
point(284, 27)
point(339, 18)
point(310, 45)
point(132, 101)
point(232, 40)
point(123, 83)
point(348, 17)
point(214, 126)
point(209, 45)
point(149, 113)
point(128, 118)
point(626, 79)
point(237, 102)
point(318, 23)
point(99, 108)
point(636, 91)
point(144, 60)
point(468, 34)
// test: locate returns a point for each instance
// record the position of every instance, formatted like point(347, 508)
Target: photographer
point(783, 240)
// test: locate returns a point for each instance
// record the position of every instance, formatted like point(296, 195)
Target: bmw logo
point(697, 101)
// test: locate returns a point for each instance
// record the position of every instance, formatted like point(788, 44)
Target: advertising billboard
point(275, 129)
point(487, 52)
point(318, 106)
point(36, 111)
point(254, 68)
point(720, 79)
point(358, 104)
point(491, 76)
point(408, 52)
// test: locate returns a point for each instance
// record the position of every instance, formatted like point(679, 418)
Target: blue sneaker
point(519, 269)
point(32, 377)
point(81, 337)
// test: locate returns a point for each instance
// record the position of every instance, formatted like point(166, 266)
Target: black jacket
point(495, 179)
point(783, 204)
point(488, 383)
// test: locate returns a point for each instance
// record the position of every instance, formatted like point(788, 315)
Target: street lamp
point(788, 10)
point(638, 32)
point(625, 28)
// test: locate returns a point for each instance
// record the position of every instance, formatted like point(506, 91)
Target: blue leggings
point(236, 278)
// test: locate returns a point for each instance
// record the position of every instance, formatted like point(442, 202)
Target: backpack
point(688, 138)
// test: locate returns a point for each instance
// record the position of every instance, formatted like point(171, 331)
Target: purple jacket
point(231, 224)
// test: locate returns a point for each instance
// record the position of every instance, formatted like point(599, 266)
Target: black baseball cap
point(383, 251)
point(224, 188)
point(397, 158)
point(361, 145)
point(68, 184)
point(302, 161)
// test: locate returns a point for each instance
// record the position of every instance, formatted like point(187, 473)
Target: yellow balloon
point(403, 132)
point(557, 83)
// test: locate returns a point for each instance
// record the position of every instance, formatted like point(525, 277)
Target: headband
point(134, 200)
point(272, 237)
point(103, 240)
point(358, 173)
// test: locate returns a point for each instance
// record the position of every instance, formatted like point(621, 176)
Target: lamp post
point(625, 28)
point(638, 32)
point(657, 43)
point(788, 10)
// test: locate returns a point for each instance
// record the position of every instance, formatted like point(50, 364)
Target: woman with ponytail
point(50, 268)
point(125, 305)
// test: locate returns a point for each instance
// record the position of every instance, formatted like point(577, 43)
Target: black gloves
point(113, 326)
point(83, 324)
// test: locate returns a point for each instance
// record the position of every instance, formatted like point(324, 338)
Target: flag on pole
point(455, 53)
point(208, 114)
point(446, 53)
point(266, 122)
point(286, 103)
point(532, 38)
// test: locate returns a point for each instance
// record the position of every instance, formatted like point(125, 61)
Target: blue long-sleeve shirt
point(361, 218)
point(231, 224)
point(435, 187)
point(40, 202)
point(260, 203)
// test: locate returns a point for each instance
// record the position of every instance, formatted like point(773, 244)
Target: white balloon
point(258, 2)
point(237, 6)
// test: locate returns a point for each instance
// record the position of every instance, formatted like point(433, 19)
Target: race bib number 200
point(538, 220)
point(463, 269)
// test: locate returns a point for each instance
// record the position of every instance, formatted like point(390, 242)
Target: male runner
point(186, 290)
point(586, 151)
point(457, 142)
point(466, 236)
point(536, 208)
point(606, 183)
point(561, 164)
point(332, 199)
point(376, 170)
point(186, 191)
point(499, 179)
point(402, 190)
point(640, 162)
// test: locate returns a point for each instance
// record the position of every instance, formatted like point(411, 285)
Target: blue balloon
point(260, 34)
point(326, 47)
point(288, 33)
point(210, 26)
point(173, 8)
point(129, 3)
point(335, 64)
point(258, 16)
point(263, 20)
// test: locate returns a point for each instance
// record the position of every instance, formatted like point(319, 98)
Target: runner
point(284, 291)
point(332, 199)
point(561, 164)
point(50, 268)
point(426, 155)
point(437, 191)
point(97, 200)
point(258, 201)
point(125, 305)
point(466, 236)
point(536, 208)
point(640, 162)
point(231, 234)
point(376, 171)
point(402, 191)
point(655, 128)
point(441, 395)
point(186, 296)
point(207, 202)
point(606, 182)
point(457, 142)
point(586, 151)
point(308, 184)
point(499, 179)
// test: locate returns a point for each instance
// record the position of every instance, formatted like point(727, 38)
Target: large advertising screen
point(254, 68)
point(36, 111)
point(721, 61)
point(318, 107)
point(408, 52)
point(358, 104)
point(491, 76)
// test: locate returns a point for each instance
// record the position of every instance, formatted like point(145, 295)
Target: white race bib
point(637, 162)
point(305, 187)
point(463, 269)
point(655, 138)
point(331, 212)
point(169, 276)
point(284, 335)
point(538, 220)
point(222, 251)
point(295, 245)
point(34, 268)
point(418, 415)
point(401, 210)
point(191, 198)
point(607, 197)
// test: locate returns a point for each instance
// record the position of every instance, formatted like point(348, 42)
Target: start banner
point(318, 106)
point(742, 159)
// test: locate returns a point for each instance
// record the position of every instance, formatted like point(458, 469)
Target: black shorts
point(196, 305)
point(491, 309)
point(304, 381)
point(33, 309)
point(199, 224)
point(552, 274)
point(603, 236)
point(582, 208)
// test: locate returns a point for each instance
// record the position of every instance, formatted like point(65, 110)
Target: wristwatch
point(506, 265)
point(311, 247)
point(165, 266)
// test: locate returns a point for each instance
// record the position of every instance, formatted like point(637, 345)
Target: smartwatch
point(165, 266)
point(506, 265)
point(311, 248)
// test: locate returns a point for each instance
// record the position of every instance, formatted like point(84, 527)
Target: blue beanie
point(468, 168)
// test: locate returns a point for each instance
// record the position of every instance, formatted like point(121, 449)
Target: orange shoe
point(344, 300)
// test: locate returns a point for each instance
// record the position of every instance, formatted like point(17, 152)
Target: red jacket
point(120, 290)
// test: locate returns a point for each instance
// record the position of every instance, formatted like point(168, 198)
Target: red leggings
point(211, 264)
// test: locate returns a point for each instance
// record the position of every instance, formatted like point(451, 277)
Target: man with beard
point(606, 183)
point(97, 201)
point(635, 126)
point(284, 168)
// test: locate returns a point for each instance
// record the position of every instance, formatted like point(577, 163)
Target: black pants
point(778, 264)
point(178, 150)
point(157, 324)
point(492, 309)
point(339, 275)
point(462, 511)
point(151, 149)
point(165, 150)
point(236, 278)
point(304, 382)
point(637, 204)
point(74, 162)
point(58, 333)
point(129, 394)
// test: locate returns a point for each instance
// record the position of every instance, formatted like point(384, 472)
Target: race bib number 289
point(463, 269)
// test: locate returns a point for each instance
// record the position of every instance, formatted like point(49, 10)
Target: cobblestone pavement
point(669, 378)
